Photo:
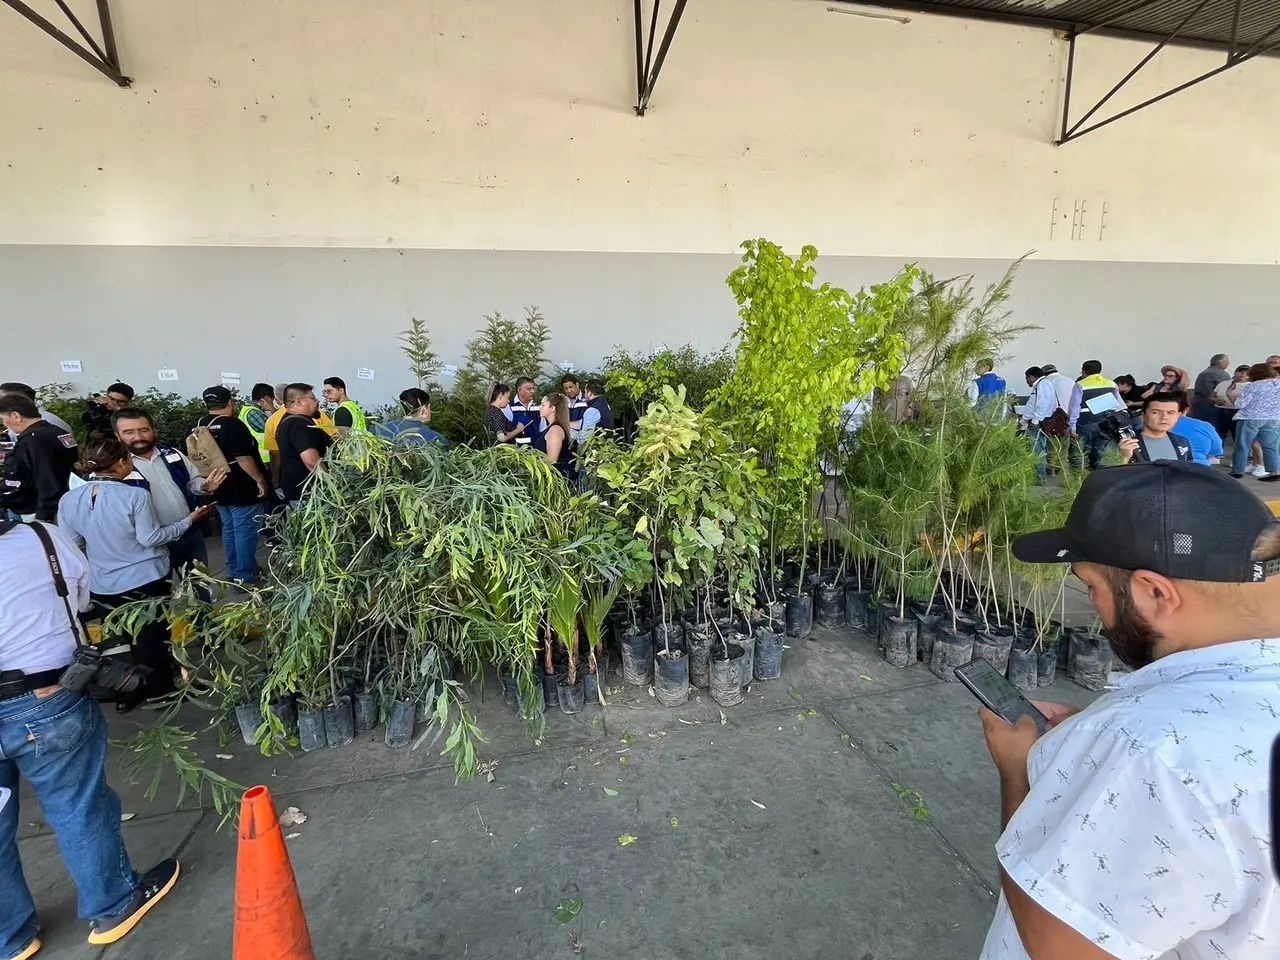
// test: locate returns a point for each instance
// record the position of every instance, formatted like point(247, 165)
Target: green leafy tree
point(947, 333)
point(502, 350)
point(424, 363)
point(693, 497)
point(804, 350)
point(634, 380)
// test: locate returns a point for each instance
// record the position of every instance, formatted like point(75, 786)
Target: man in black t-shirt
point(301, 441)
point(240, 496)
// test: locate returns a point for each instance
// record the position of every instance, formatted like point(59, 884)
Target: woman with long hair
point(498, 427)
point(126, 547)
point(554, 442)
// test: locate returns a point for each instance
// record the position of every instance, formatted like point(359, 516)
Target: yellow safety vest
point(259, 436)
point(358, 421)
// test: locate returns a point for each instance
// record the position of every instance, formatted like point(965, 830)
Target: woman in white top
point(1258, 418)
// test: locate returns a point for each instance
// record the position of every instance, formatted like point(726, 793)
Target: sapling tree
point(694, 498)
point(804, 350)
point(424, 362)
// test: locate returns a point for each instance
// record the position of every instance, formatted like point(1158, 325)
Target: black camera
point(1117, 425)
point(111, 671)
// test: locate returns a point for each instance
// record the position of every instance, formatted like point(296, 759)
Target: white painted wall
point(506, 124)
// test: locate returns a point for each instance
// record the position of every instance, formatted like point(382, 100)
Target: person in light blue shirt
point(126, 547)
point(1206, 445)
point(412, 429)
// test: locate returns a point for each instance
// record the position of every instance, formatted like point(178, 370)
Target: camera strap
point(59, 581)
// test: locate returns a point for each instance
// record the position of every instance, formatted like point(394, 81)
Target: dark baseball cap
point(216, 397)
point(1181, 520)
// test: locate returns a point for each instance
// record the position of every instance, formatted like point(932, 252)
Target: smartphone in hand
point(997, 694)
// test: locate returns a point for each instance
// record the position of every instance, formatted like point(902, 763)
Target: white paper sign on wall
point(72, 366)
point(167, 374)
point(364, 373)
point(449, 369)
point(230, 378)
point(565, 365)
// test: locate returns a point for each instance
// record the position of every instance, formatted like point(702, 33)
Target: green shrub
point(173, 413)
point(634, 380)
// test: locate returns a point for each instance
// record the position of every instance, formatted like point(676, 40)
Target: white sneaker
point(1259, 471)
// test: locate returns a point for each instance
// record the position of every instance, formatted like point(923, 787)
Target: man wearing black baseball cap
point(240, 497)
point(1138, 826)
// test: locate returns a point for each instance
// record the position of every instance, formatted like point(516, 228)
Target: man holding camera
point(1154, 442)
point(56, 739)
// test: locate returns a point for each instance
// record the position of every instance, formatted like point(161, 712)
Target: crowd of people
point(88, 526)
point(1173, 418)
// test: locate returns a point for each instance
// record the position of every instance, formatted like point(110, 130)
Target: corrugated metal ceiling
point(1222, 24)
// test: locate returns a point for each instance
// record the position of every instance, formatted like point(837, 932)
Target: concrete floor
point(771, 829)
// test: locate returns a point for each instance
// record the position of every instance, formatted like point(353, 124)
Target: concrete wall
point(286, 179)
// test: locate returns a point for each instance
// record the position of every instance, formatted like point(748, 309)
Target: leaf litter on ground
point(292, 816)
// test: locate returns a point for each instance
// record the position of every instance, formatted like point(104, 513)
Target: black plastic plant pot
point(400, 723)
point(856, 601)
point(966, 624)
point(1024, 668)
point(571, 696)
point(726, 674)
point(339, 722)
point(748, 643)
point(671, 677)
point(776, 610)
point(550, 689)
point(951, 649)
point(898, 640)
point(699, 642)
point(799, 617)
point(510, 688)
point(668, 637)
point(993, 648)
point(1047, 666)
point(829, 605)
point(310, 729)
point(926, 634)
point(1064, 647)
point(591, 689)
point(637, 658)
point(285, 709)
point(872, 626)
point(768, 658)
point(366, 711)
point(1090, 661)
point(531, 703)
point(249, 716)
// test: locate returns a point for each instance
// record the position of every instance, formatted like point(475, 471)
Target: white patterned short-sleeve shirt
point(1147, 826)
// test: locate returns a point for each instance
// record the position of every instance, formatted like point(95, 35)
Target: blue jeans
point(1039, 444)
point(1267, 433)
point(240, 528)
point(59, 744)
point(1094, 444)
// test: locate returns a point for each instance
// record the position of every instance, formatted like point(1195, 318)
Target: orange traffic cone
point(269, 923)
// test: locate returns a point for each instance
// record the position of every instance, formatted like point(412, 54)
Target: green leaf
point(568, 911)
point(627, 840)
point(609, 792)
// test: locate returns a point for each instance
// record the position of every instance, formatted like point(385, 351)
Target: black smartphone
point(997, 694)
point(1275, 805)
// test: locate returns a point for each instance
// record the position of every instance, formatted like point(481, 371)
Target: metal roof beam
point(104, 58)
point(647, 68)
point(1104, 27)
point(1264, 45)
